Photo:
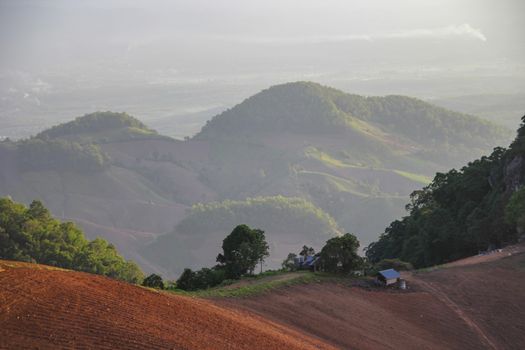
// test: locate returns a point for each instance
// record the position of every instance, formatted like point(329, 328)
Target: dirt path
point(483, 291)
point(456, 308)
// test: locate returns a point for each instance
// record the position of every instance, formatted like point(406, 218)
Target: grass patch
point(246, 290)
point(341, 184)
point(326, 158)
point(9, 264)
point(414, 177)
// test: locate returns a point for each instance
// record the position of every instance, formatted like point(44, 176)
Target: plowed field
point(477, 303)
point(55, 309)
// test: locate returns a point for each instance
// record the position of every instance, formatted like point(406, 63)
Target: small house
point(307, 263)
point(388, 277)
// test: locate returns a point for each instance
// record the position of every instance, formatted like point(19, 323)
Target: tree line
point(461, 212)
point(31, 234)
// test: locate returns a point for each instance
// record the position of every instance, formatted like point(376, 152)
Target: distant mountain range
point(292, 154)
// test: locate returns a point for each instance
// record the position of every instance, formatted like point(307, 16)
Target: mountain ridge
point(141, 181)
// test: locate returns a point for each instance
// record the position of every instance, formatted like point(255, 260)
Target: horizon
point(175, 64)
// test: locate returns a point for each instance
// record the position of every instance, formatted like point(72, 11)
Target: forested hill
point(75, 146)
point(101, 127)
point(479, 207)
point(356, 159)
point(306, 107)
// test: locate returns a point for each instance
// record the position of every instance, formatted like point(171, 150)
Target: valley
point(349, 156)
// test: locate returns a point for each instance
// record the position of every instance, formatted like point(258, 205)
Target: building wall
point(391, 281)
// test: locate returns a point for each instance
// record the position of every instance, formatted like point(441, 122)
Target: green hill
point(284, 220)
point(354, 158)
point(100, 127)
point(306, 107)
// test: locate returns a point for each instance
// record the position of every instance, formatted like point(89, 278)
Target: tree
point(288, 264)
point(515, 209)
point(33, 235)
point(186, 280)
point(243, 249)
point(153, 281)
point(340, 254)
point(202, 279)
point(393, 264)
point(307, 251)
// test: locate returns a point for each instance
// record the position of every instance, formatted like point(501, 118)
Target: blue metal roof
point(389, 274)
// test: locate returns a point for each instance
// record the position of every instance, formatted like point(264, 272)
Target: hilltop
point(100, 127)
point(353, 159)
point(311, 108)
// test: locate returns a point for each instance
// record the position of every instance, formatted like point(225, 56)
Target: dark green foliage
point(312, 108)
point(243, 249)
point(31, 234)
point(274, 213)
point(92, 123)
point(303, 107)
point(37, 154)
point(201, 279)
point(288, 264)
point(153, 281)
point(307, 251)
point(515, 209)
point(421, 121)
point(186, 280)
point(459, 213)
point(395, 264)
point(518, 146)
point(339, 255)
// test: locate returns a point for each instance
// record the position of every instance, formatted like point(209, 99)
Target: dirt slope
point(475, 304)
point(488, 295)
point(49, 309)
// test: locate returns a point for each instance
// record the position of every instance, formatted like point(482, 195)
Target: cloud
point(464, 30)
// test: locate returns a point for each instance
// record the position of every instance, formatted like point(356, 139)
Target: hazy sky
point(156, 59)
point(200, 35)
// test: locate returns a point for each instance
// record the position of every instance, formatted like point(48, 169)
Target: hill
point(471, 304)
point(100, 127)
point(50, 308)
point(355, 158)
point(286, 220)
point(310, 108)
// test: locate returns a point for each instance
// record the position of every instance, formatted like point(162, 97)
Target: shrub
point(153, 281)
point(395, 264)
point(201, 279)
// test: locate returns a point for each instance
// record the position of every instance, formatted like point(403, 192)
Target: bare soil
point(44, 308)
point(490, 295)
point(477, 303)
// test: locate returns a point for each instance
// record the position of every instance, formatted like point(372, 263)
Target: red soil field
point(44, 308)
point(477, 303)
point(490, 295)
